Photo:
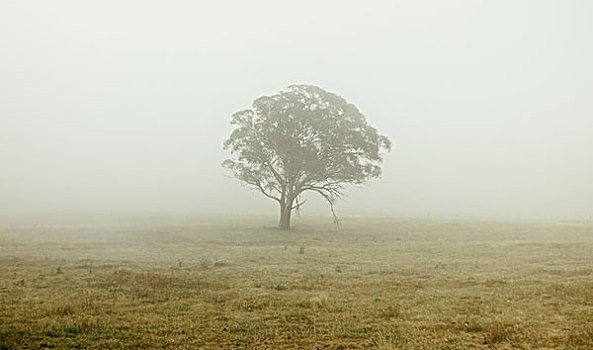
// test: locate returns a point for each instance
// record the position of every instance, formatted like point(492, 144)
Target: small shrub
point(221, 263)
point(205, 263)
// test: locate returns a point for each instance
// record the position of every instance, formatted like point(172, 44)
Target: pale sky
point(124, 105)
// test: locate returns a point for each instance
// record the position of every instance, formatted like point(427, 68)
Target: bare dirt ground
point(223, 283)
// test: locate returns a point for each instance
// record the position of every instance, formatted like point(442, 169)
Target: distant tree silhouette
point(303, 139)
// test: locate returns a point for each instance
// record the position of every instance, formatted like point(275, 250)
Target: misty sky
point(124, 105)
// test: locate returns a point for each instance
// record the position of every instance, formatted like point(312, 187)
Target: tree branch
point(328, 197)
point(332, 187)
point(275, 172)
point(259, 187)
point(299, 204)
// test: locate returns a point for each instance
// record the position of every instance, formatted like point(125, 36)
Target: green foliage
point(303, 139)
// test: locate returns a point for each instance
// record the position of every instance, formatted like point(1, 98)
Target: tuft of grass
point(499, 332)
point(386, 341)
point(320, 301)
point(281, 286)
point(392, 312)
point(62, 310)
point(19, 282)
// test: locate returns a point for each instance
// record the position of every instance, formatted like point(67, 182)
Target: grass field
point(224, 283)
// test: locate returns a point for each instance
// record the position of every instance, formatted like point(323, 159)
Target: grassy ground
point(233, 283)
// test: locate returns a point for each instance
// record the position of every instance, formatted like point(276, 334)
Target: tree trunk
point(285, 213)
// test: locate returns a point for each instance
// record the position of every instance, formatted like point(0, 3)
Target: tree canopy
point(303, 139)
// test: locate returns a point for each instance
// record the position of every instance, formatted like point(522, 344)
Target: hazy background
point(118, 106)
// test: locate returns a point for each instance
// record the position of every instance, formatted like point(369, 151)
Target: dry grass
point(376, 283)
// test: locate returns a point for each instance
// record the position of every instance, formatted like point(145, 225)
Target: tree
point(303, 139)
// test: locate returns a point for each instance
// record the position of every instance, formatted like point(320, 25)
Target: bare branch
point(259, 187)
point(330, 199)
point(298, 204)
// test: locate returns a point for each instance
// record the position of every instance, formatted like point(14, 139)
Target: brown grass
point(376, 283)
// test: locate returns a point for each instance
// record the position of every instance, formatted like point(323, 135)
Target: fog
point(123, 106)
